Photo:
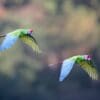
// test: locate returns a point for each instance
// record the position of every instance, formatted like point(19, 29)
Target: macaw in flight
point(24, 34)
point(85, 63)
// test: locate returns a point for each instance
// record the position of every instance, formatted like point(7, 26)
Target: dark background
point(63, 28)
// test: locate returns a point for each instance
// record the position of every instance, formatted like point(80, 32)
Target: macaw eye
point(89, 57)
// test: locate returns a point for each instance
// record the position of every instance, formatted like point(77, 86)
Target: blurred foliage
point(62, 28)
point(14, 3)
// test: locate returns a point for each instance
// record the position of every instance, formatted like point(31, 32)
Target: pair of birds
point(85, 61)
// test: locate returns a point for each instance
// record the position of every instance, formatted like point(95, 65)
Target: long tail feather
point(2, 35)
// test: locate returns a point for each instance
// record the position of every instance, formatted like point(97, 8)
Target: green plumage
point(31, 42)
point(87, 66)
point(19, 32)
point(85, 63)
point(24, 34)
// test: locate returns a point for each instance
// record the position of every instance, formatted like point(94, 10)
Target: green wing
point(90, 69)
point(30, 40)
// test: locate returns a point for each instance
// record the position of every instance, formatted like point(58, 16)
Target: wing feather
point(29, 40)
point(89, 68)
point(8, 42)
point(66, 68)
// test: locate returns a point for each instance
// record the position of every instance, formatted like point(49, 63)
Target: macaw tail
point(2, 35)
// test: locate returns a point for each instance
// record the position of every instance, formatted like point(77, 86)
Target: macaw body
point(85, 63)
point(24, 34)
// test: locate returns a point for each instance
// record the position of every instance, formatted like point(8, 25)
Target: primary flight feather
point(85, 63)
point(24, 34)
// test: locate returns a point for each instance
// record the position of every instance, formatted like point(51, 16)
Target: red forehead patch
point(30, 30)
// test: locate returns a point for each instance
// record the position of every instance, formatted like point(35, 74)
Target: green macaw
point(24, 34)
point(84, 61)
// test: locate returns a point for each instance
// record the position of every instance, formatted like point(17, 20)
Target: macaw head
point(30, 31)
point(87, 57)
point(26, 31)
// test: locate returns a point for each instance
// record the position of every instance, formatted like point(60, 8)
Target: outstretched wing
point(66, 68)
point(8, 42)
point(89, 68)
point(30, 40)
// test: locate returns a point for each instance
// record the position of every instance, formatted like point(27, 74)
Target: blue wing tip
point(61, 79)
point(1, 49)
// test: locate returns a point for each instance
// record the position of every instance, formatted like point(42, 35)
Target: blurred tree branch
point(59, 9)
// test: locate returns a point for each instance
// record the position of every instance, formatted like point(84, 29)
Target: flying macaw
point(24, 34)
point(85, 63)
